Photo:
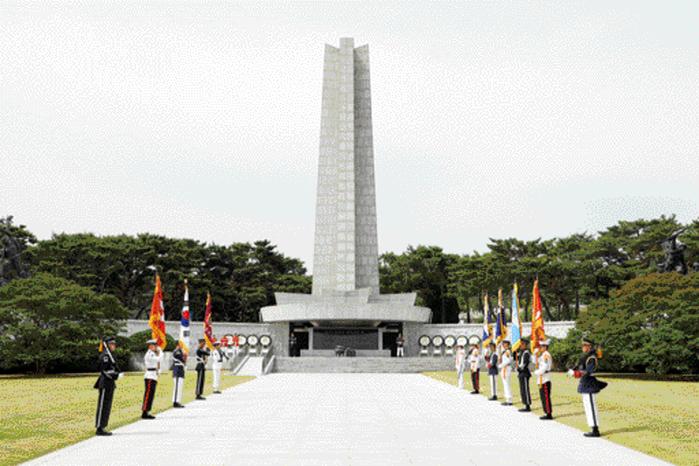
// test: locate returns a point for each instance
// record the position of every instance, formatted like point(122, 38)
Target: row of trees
point(573, 271)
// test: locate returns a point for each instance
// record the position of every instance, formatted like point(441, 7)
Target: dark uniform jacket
point(493, 369)
point(109, 372)
point(523, 359)
point(585, 368)
point(178, 361)
point(202, 355)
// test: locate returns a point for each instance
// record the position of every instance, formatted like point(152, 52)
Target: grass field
point(39, 415)
point(657, 418)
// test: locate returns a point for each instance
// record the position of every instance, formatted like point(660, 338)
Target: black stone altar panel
point(353, 338)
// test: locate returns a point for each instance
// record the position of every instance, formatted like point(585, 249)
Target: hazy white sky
point(490, 119)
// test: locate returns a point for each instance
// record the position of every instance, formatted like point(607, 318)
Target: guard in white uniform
point(505, 368)
point(460, 365)
point(217, 365)
point(152, 363)
point(544, 365)
point(474, 360)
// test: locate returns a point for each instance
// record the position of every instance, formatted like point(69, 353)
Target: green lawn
point(657, 418)
point(42, 414)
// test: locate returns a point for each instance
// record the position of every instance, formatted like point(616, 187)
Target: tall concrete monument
point(346, 247)
point(345, 306)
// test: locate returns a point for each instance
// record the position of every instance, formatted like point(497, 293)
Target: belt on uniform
point(152, 369)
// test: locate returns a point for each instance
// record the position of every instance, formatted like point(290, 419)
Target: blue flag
point(516, 325)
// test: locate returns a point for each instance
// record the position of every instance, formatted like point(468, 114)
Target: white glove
point(121, 375)
point(570, 373)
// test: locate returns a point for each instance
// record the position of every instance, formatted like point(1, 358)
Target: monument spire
point(346, 246)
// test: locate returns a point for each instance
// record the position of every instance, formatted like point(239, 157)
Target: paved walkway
point(341, 419)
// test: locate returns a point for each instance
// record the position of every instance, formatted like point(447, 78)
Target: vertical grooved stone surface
point(346, 246)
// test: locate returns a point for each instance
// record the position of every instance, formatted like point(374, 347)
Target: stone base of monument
point(321, 364)
point(360, 353)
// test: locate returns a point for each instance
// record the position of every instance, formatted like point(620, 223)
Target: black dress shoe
point(217, 392)
point(200, 398)
point(593, 433)
point(506, 404)
point(177, 405)
point(102, 433)
point(547, 417)
point(526, 409)
point(475, 392)
point(493, 398)
point(147, 416)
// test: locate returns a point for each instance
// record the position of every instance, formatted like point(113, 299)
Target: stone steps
point(364, 364)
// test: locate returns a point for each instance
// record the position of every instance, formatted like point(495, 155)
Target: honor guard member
point(460, 365)
point(589, 386)
point(218, 357)
point(524, 374)
point(505, 367)
point(152, 362)
point(179, 361)
point(400, 344)
point(106, 383)
point(544, 365)
point(202, 356)
point(474, 360)
point(492, 365)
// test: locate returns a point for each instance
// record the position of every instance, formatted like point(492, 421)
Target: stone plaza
point(346, 419)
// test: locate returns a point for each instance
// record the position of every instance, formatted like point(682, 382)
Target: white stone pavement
point(346, 419)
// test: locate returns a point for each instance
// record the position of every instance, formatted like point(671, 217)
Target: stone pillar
point(346, 246)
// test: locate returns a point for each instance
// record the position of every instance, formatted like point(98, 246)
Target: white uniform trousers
point(506, 388)
point(178, 385)
point(217, 377)
point(493, 385)
point(590, 403)
point(399, 352)
point(460, 375)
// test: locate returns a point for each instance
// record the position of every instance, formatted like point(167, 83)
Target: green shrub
point(49, 323)
point(137, 342)
point(649, 325)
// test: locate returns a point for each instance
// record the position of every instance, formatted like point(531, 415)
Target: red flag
point(538, 333)
point(208, 332)
point(156, 322)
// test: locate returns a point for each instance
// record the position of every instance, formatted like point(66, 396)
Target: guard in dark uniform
point(524, 374)
point(589, 386)
point(179, 359)
point(106, 383)
point(292, 345)
point(492, 364)
point(203, 354)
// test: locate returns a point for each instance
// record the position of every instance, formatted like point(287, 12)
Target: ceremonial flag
point(184, 321)
point(156, 322)
point(516, 324)
point(208, 332)
point(538, 333)
point(500, 325)
point(487, 328)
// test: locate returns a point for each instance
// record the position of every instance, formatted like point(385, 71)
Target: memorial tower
point(345, 306)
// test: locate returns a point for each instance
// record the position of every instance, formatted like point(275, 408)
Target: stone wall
point(279, 332)
point(412, 332)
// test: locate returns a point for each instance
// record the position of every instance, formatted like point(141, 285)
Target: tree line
point(59, 296)
point(573, 271)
